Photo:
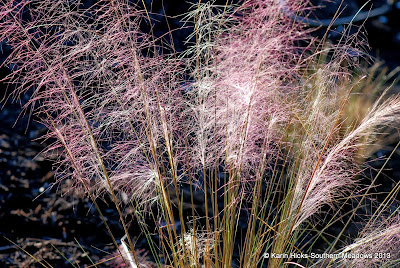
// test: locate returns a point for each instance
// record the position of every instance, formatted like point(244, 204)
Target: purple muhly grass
point(125, 124)
point(333, 175)
point(326, 155)
point(113, 110)
point(239, 91)
point(254, 89)
point(116, 113)
point(377, 247)
point(253, 94)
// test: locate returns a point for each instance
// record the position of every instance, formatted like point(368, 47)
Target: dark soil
point(38, 215)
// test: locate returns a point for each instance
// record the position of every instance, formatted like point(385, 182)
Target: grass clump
point(241, 147)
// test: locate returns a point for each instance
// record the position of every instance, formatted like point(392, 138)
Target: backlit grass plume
point(235, 148)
